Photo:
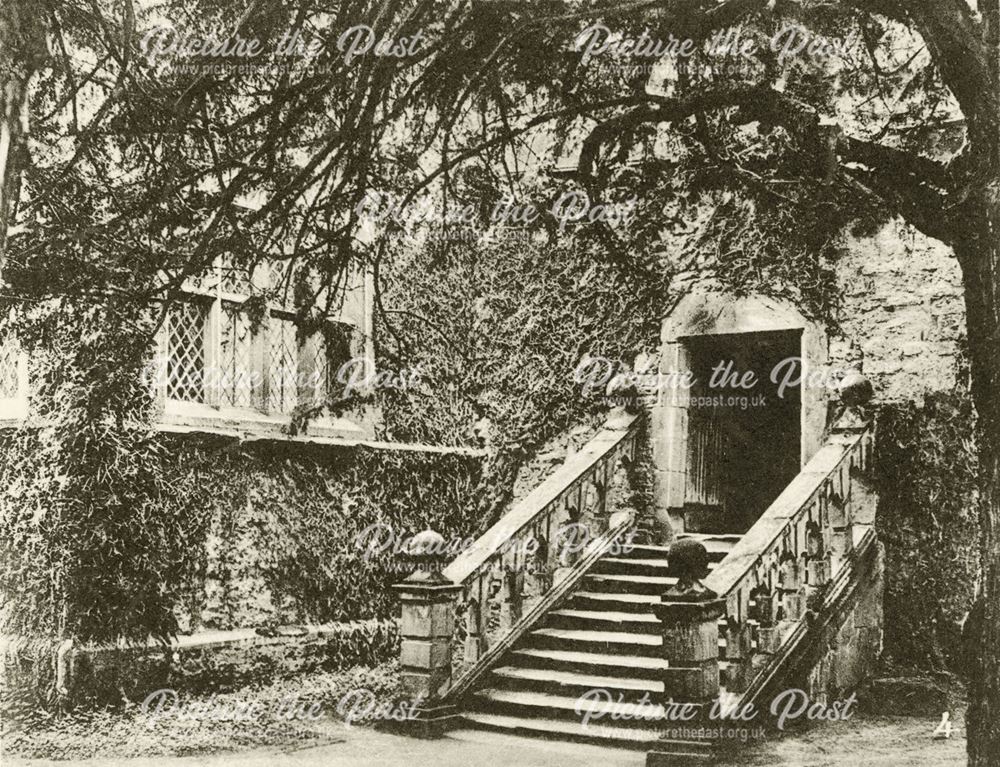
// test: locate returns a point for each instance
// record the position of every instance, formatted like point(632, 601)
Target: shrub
point(927, 518)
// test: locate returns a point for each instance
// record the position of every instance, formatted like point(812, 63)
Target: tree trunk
point(978, 251)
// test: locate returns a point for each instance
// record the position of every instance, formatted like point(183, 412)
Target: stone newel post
point(690, 615)
point(427, 624)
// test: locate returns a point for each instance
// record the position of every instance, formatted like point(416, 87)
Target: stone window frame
point(221, 291)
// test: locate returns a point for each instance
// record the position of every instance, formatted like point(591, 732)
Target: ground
point(871, 741)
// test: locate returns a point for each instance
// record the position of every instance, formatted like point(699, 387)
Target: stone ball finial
point(688, 560)
point(425, 543)
point(854, 389)
point(426, 552)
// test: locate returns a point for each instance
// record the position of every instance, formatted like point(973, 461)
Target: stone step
point(589, 662)
point(628, 584)
point(644, 551)
point(653, 567)
point(603, 620)
point(617, 642)
point(538, 704)
point(609, 600)
point(619, 566)
point(621, 737)
point(573, 683)
point(716, 545)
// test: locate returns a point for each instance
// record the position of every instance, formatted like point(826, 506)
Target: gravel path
point(863, 741)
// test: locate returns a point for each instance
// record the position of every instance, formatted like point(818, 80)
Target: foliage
point(288, 540)
point(927, 518)
point(125, 732)
point(191, 531)
point(503, 326)
point(88, 551)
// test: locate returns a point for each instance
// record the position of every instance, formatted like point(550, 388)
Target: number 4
point(944, 728)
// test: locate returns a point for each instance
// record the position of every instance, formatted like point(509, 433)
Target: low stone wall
point(44, 673)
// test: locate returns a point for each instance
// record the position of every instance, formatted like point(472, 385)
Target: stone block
point(685, 644)
point(694, 682)
point(430, 685)
point(425, 653)
point(427, 620)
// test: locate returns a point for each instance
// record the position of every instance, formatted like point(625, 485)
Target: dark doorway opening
point(744, 441)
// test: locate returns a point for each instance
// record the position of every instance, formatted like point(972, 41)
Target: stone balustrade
point(452, 618)
point(782, 567)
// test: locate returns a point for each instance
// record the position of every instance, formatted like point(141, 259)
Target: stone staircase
point(514, 636)
point(606, 637)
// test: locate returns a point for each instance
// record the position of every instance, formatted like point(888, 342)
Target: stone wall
point(283, 533)
point(841, 649)
point(848, 652)
point(902, 319)
point(217, 661)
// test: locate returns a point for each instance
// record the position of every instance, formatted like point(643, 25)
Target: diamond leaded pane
point(319, 370)
point(186, 352)
point(283, 368)
point(8, 367)
point(237, 380)
point(234, 279)
point(279, 288)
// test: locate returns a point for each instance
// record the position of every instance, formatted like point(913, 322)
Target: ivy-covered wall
point(277, 528)
point(927, 520)
point(267, 533)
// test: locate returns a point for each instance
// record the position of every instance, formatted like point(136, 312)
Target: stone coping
point(200, 640)
point(524, 512)
point(768, 529)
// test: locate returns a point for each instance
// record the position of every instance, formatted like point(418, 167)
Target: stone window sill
point(252, 424)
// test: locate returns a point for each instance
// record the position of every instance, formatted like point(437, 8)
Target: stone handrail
point(568, 478)
point(512, 567)
point(455, 622)
point(786, 561)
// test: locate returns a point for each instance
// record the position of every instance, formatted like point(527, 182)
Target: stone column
point(668, 436)
point(427, 625)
